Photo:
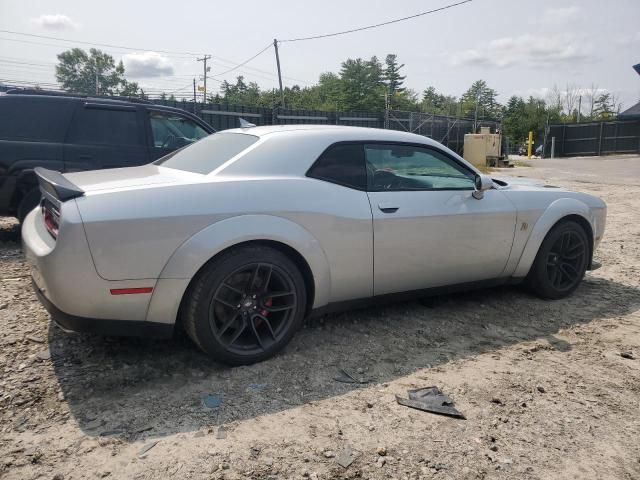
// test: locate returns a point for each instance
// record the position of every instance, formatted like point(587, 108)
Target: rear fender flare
point(187, 260)
point(555, 212)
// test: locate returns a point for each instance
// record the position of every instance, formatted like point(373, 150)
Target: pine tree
point(393, 79)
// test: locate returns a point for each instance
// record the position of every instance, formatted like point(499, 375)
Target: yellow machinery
point(484, 149)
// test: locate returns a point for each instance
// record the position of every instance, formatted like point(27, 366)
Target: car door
point(169, 131)
point(105, 135)
point(428, 229)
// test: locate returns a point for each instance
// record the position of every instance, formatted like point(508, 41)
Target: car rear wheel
point(561, 261)
point(28, 203)
point(245, 305)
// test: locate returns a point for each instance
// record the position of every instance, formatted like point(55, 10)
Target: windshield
point(205, 155)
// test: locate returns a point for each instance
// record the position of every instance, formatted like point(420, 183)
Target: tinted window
point(106, 126)
point(209, 153)
point(403, 167)
point(342, 164)
point(34, 118)
point(168, 128)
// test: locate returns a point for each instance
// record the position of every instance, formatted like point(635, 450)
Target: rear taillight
point(51, 217)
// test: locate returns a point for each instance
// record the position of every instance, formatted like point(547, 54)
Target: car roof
point(338, 132)
point(70, 97)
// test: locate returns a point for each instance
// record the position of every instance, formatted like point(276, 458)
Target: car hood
point(130, 177)
point(539, 192)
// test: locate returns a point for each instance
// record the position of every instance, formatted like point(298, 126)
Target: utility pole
point(97, 79)
point(275, 45)
point(475, 114)
point(579, 108)
point(204, 59)
point(194, 95)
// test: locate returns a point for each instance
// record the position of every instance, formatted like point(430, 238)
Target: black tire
point(561, 261)
point(237, 318)
point(30, 201)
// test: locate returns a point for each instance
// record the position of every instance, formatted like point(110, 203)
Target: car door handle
point(387, 208)
point(85, 157)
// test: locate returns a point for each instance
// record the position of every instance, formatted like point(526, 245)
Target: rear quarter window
point(205, 155)
point(36, 119)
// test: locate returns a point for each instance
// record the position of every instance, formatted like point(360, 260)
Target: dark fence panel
point(594, 138)
point(449, 131)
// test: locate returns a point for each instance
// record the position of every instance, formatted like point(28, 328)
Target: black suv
point(69, 133)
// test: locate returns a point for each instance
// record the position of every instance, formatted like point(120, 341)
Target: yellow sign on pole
point(529, 145)
point(200, 88)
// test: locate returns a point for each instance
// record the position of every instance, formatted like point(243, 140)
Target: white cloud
point(546, 93)
point(560, 15)
point(533, 50)
point(55, 21)
point(146, 65)
point(628, 40)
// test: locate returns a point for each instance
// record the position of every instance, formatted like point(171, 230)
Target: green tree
point(604, 106)
point(394, 82)
point(522, 117)
point(361, 86)
point(392, 78)
point(92, 73)
point(434, 102)
point(479, 96)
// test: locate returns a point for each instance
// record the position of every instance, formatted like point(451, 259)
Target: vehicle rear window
point(205, 155)
point(37, 119)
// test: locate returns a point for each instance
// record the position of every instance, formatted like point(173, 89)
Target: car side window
point(170, 130)
point(396, 167)
point(106, 126)
point(342, 164)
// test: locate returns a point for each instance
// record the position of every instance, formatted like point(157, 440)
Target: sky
point(517, 47)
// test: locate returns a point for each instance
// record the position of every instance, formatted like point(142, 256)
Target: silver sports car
point(241, 235)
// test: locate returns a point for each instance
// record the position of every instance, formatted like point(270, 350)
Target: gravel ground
point(549, 389)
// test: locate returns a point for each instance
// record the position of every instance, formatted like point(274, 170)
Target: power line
point(226, 61)
point(95, 43)
point(223, 60)
point(368, 27)
point(245, 62)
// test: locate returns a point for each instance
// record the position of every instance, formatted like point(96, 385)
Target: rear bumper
point(101, 326)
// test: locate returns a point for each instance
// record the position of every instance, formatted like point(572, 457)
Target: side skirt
point(390, 298)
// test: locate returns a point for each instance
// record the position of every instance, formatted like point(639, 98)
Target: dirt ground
point(543, 385)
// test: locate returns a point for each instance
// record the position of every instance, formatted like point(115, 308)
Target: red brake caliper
point(268, 302)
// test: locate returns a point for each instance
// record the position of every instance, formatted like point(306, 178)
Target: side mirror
point(483, 182)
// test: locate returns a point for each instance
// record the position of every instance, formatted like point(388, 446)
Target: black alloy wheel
point(561, 261)
point(245, 304)
point(566, 260)
point(252, 308)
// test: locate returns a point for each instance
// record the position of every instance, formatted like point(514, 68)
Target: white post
point(553, 146)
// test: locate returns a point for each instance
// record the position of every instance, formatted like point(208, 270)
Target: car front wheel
point(561, 261)
point(245, 305)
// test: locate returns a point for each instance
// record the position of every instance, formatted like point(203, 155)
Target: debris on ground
point(212, 401)
point(346, 456)
point(430, 399)
point(628, 355)
point(221, 434)
point(143, 451)
point(345, 377)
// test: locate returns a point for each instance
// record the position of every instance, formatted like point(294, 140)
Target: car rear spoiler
point(56, 185)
